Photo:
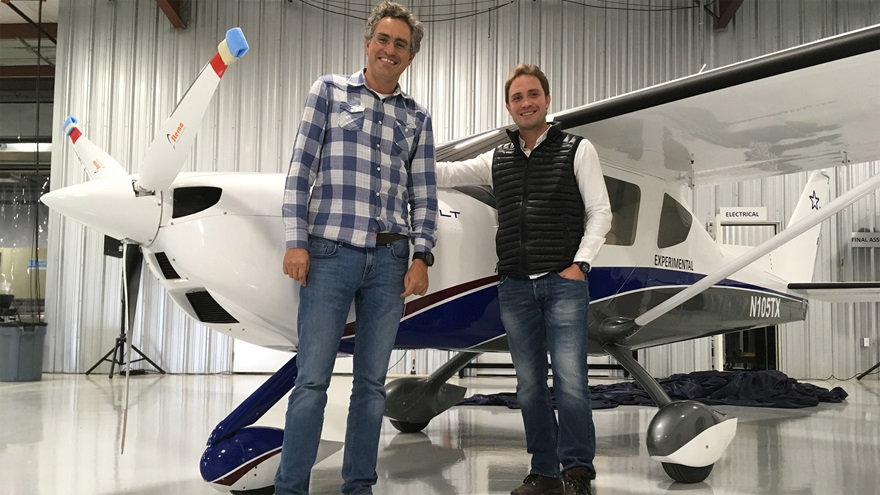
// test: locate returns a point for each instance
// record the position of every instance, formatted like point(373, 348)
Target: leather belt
point(388, 238)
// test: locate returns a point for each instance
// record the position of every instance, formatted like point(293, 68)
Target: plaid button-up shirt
point(361, 165)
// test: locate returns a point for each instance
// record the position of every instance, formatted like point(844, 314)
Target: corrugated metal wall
point(121, 68)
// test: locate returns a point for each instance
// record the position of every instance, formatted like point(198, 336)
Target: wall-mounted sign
point(743, 214)
point(865, 239)
point(41, 264)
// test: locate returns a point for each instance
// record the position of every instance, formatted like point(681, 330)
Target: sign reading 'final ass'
point(865, 239)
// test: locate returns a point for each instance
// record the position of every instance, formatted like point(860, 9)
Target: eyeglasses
point(385, 40)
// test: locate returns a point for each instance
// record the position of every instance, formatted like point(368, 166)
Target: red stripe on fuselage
point(448, 293)
point(236, 475)
point(218, 65)
point(431, 299)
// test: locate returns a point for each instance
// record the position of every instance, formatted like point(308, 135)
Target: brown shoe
point(535, 484)
point(578, 481)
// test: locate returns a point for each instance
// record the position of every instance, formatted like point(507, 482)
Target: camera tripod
point(116, 356)
point(130, 276)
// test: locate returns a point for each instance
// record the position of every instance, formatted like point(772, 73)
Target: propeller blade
point(125, 406)
point(133, 267)
point(131, 275)
point(169, 150)
point(96, 162)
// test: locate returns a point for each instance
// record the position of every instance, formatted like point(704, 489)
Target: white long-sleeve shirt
point(587, 172)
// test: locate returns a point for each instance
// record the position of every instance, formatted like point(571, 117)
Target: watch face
point(426, 256)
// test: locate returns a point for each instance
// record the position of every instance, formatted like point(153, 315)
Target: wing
point(799, 109)
point(809, 107)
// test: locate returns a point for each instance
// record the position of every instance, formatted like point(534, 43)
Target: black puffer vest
point(540, 209)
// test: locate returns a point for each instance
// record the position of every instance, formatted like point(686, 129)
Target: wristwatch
point(426, 257)
point(584, 266)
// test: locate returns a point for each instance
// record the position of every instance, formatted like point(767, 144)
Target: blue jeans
point(550, 314)
point(340, 274)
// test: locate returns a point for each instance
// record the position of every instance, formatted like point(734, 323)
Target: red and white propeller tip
point(71, 129)
point(232, 48)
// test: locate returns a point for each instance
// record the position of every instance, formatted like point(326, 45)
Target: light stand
point(868, 372)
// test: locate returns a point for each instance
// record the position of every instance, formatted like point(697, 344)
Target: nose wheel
point(406, 427)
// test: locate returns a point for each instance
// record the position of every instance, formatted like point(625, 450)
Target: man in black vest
point(553, 214)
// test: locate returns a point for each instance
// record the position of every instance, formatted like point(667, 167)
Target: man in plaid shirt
point(361, 187)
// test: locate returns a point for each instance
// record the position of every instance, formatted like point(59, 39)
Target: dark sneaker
point(578, 481)
point(535, 484)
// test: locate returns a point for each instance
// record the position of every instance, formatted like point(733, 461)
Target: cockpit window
point(675, 223)
point(625, 198)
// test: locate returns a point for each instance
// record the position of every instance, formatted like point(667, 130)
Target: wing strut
point(623, 330)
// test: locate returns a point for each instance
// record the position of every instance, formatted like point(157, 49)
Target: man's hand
point(296, 264)
point(416, 279)
point(573, 272)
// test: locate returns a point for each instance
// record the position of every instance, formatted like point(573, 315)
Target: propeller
point(107, 204)
point(171, 146)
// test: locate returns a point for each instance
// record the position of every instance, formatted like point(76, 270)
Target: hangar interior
point(120, 67)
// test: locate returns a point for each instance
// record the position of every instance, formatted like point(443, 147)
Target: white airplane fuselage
point(217, 248)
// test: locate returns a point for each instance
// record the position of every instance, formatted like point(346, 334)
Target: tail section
point(96, 162)
point(796, 260)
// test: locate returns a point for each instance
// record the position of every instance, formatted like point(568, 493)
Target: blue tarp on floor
point(731, 388)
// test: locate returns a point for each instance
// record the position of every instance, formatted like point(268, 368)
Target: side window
point(675, 223)
point(625, 198)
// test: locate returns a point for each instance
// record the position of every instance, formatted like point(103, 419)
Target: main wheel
point(404, 427)
point(687, 474)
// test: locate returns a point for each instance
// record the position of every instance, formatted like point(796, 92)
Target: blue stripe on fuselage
point(467, 321)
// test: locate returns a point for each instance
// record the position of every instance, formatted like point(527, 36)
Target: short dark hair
point(526, 70)
point(396, 11)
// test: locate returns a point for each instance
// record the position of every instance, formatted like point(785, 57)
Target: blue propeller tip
point(236, 42)
point(69, 120)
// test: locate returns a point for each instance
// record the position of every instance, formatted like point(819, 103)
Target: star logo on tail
point(814, 200)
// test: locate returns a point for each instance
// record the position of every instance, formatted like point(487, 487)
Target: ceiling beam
point(171, 8)
point(726, 11)
point(26, 71)
point(31, 22)
point(27, 31)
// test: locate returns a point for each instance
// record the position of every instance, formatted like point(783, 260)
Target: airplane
point(660, 278)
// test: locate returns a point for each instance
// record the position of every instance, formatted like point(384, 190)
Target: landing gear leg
point(412, 402)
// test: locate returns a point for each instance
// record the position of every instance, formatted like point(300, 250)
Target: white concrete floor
point(61, 436)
